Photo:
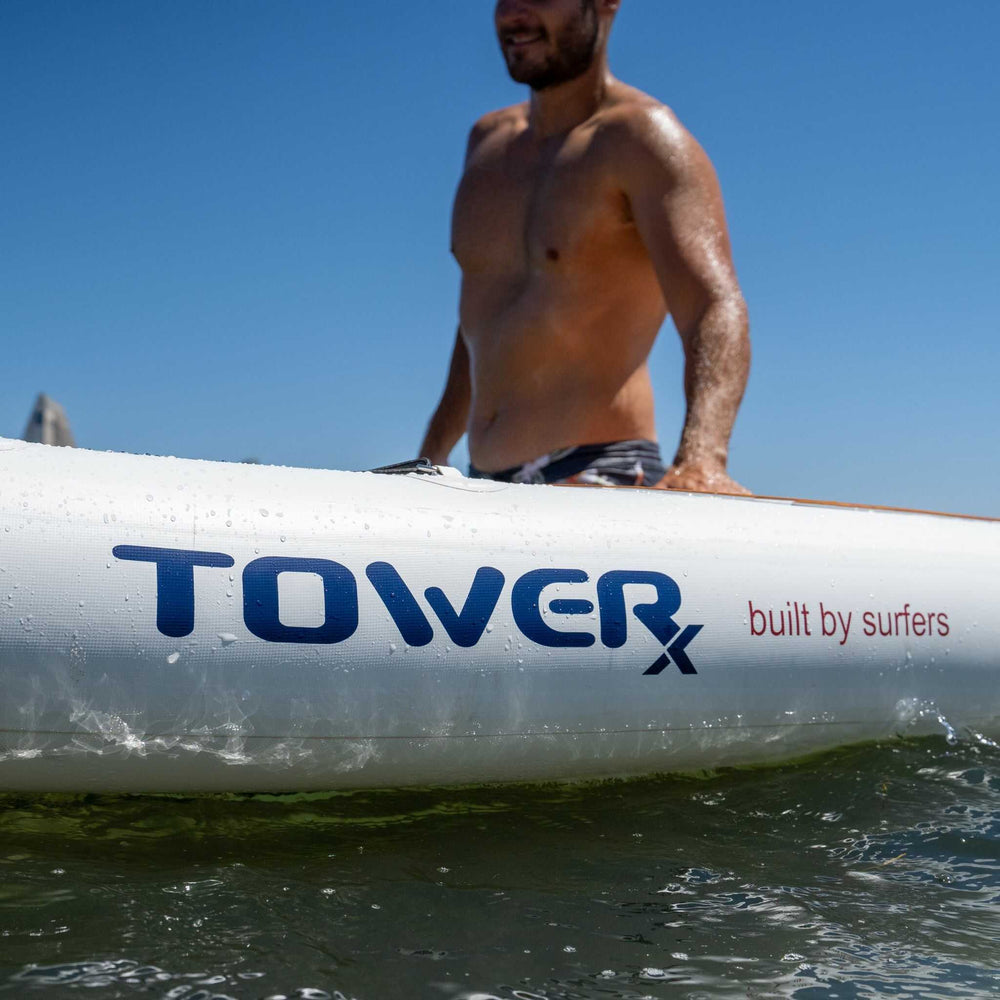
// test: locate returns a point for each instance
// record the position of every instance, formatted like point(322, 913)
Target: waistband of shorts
point(566, 462)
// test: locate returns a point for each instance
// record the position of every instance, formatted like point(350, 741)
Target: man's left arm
point(677, 205)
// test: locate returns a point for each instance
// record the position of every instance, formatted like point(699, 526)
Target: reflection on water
point(869, 872)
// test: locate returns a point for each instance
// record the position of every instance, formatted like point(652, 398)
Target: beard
point(574, 53)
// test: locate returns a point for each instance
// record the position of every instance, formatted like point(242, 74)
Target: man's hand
point(701, 479)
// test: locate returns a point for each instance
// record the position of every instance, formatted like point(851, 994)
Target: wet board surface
point(168, 624)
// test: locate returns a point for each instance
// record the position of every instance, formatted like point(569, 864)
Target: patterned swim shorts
point(618, 463)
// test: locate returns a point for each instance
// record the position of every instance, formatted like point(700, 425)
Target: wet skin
point(583, 218)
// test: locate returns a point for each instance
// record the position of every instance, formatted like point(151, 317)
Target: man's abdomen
point(558, 358)
point(519, 413)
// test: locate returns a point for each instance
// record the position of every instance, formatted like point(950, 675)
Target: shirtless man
point(585, 216)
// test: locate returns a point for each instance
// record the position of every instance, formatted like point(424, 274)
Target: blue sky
point(224, 226)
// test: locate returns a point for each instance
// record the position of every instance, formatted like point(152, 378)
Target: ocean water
point(872, 871)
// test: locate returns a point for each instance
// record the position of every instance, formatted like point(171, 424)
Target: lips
point(521, 38)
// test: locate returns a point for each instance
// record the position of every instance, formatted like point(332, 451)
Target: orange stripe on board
point(798, 500)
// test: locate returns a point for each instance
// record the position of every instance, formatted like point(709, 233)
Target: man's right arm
point(451, 417)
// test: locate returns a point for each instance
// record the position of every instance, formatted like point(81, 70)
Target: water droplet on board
point(227, 638)
point(173, 658)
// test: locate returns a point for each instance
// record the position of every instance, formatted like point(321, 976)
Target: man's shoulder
point(513, 116)
point(636, 120)
point(500, 124)
point(645, 136)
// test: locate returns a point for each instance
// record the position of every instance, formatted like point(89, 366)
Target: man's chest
point(521, 206)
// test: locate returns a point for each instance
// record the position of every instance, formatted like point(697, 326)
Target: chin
point(521, 71)
point(534, 76)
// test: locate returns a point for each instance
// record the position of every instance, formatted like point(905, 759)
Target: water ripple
point(869, 872)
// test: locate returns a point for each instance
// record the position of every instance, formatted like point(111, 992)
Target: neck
point(560, 108)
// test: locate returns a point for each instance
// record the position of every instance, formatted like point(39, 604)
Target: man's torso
point(560, 303)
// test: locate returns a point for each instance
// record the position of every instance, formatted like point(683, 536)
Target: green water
point(869, 872)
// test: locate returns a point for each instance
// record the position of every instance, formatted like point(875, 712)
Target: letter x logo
point(677, 650)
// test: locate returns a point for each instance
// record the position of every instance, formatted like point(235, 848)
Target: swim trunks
point(617, 463)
